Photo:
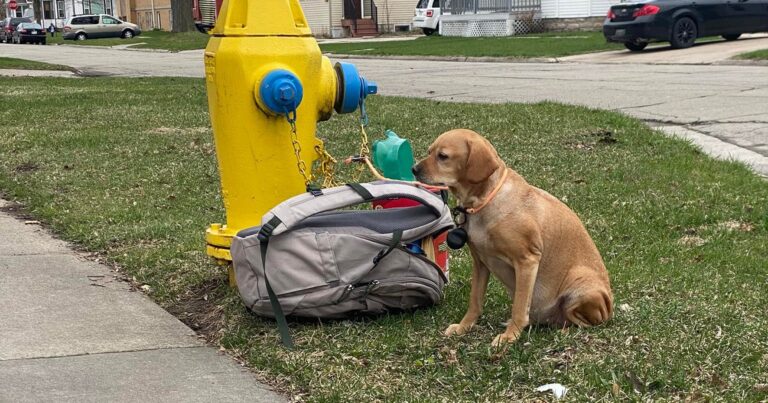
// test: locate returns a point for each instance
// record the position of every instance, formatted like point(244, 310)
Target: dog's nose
point(415, 169)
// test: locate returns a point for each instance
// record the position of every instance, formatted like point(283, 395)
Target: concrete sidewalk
point(71, 330)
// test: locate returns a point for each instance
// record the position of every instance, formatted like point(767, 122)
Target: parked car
point(8, 25)
point(680, 22)
point(85, 27)
point(427, 16)
point(205, 13)
point(29, 32)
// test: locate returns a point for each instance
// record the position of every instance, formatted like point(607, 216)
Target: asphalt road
point(721, 107)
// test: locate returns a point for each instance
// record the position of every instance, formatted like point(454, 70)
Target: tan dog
point(532, 242)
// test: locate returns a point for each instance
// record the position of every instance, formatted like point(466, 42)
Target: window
point(109, 20)
point(85, 20)
point(60, 8)
point(47, 12)
point(435, 3)
point(97, 6)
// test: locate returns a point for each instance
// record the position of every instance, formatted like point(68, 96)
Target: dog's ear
point(482, 161)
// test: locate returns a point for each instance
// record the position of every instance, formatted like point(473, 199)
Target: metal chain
point(291, 116)
point(326, 167)
point(365, 150)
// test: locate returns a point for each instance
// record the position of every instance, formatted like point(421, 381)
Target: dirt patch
point(691, 240)
point(596, 138)
point(197, 309)
point(179, 130)
point(26, 167)
point(14, 209)
point(733, 225)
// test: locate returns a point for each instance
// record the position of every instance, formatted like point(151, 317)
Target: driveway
point(723, 108)
point(713, 52)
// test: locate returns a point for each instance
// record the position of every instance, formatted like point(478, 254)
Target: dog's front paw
point(456, 328)
point(505, 338)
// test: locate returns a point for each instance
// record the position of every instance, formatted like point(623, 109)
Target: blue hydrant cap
point(281, 91)
point(353, 88)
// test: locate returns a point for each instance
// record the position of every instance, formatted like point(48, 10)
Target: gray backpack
point(323, 262)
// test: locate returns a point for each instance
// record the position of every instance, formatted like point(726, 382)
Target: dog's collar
point(488, 199)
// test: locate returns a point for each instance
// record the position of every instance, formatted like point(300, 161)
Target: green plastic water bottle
point(393, 157)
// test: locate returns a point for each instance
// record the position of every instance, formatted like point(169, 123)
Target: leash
point(379, 176)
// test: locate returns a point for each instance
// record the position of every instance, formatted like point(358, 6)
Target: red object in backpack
point(441, 253)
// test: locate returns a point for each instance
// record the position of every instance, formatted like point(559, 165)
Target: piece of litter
point(557, 389)
point(32, 222)
point(146, 288)
point(625, 308)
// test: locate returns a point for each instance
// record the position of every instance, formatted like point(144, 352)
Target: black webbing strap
point(362, 191)
point(396, 237)
point(282, 323)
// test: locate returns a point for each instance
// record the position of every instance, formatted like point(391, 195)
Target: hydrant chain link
point(297, 147)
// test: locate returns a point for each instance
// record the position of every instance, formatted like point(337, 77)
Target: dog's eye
point(442, 156)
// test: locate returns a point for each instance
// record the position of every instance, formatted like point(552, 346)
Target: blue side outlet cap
point(352, 88)
point(281, 91)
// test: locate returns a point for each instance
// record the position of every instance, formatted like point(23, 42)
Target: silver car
point(85, 27)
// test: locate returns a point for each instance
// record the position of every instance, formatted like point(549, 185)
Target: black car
point(29, 32)
point(8, 25)
point(680, 22)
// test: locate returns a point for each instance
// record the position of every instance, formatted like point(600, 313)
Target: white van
point(427, 16)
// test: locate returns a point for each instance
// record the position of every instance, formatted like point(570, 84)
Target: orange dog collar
point(491, 195)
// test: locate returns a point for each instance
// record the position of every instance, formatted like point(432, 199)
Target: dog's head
point(458, 157)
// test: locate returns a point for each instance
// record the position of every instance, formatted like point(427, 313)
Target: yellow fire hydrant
point(268, 85)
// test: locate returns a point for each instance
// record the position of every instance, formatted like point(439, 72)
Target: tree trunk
point(37, 7)
point(181, 13)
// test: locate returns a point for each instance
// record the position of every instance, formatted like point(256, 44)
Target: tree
point(37, 6)
point(181, 16)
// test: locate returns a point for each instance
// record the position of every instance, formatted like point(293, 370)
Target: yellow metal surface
point(256, 161)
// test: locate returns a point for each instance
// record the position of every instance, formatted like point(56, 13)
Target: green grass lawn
point(535, 45)
point(129, 171)
point(21, 64)
point(149, 40)
point(757, 55)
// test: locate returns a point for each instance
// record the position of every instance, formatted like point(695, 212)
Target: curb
point(472, 59)
point(118, 47)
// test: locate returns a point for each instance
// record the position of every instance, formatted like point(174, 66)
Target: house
point(337, 18)
point(58, 11)
point(148, 14)
point(471, 18)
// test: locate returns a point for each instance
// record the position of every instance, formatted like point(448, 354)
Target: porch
point(361, 18)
